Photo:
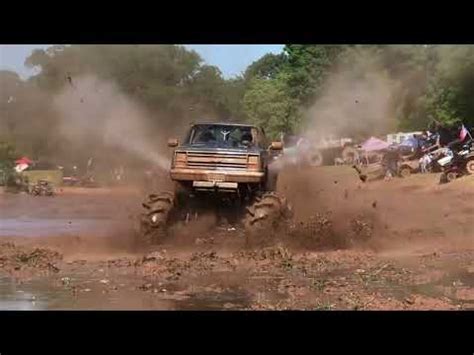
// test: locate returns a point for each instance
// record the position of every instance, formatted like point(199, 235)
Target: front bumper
point(184, 174)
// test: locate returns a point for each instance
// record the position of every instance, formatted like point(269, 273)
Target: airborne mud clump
point(323, 231)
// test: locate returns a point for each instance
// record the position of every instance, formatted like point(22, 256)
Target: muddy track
point(394, 245)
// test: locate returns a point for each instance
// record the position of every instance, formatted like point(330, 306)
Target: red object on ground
point(24, 160)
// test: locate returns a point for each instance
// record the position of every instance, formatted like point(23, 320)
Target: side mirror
point(276, 146)
point(172, 142)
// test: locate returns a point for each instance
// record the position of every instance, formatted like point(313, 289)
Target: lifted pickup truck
point(218, 164)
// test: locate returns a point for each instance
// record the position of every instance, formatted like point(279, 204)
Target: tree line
point(277, 91)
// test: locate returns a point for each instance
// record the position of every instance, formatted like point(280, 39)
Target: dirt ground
point(404, 244)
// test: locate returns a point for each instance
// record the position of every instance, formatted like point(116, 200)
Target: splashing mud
point(99, 114)
point(382, 245)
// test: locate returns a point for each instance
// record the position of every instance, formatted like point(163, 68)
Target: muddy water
point(45, 294)
point(38, 227)
point(27, 216)
point(24, 217)
point(88, 216)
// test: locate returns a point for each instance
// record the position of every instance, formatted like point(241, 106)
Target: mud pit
point(402, 244)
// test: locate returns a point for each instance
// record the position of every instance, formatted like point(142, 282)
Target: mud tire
point(470, 166)
point(263, 218)
point(447, 177)
point(451, 176)
point(316, 158)
point(350, 155)
point(36, 191)
point(405, 171)
point(154, 220)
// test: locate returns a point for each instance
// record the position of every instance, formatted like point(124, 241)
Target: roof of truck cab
point(223, 124)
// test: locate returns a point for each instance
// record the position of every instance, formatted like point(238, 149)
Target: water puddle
point(47, 293)
point(445, 287)
point(38, 227)
point(225, 300)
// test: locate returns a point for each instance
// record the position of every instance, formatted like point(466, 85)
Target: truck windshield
point(222, 136)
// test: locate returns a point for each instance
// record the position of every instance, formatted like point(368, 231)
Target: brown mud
point(399, 244)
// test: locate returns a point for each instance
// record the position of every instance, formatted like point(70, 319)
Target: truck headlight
point(180, 160)
point(253, 162)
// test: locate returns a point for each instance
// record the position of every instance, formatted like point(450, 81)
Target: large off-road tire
point(316, 158)
point(154, 220)
point(350, 155)
point(470, 166)
point(50, 191)
point(264, 216)
point(447, 177)
point(405, 171)
point(451, 176)
point(36, 190)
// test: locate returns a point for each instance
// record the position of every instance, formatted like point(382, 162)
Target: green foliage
point(307, 68)
point(266, 67)
point(268, 105)
point(170, 82)
point(7, 159)
point(7, 153)
point(175, 86)
point(426, 82)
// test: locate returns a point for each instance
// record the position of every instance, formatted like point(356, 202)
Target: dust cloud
point(358, 99)
point(96, 113)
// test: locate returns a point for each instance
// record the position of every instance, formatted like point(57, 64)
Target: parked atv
point(457, 164)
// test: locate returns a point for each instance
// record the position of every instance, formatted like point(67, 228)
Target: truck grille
point(216, 160)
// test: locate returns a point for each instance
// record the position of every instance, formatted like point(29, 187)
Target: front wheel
point(263, 216)
point(470, 166)
point(405, 172)
point(154, 220)
point(316, 159)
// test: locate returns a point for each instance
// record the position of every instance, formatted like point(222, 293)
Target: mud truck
point(220, 166)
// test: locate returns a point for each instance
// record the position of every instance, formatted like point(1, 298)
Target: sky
point(231, 59)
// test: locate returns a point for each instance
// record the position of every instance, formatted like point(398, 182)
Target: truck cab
point(222, 157)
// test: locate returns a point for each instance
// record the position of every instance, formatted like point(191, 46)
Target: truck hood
point(189, 148)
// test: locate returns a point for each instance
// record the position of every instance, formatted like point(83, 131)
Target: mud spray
point(97, 112)
point(360, 99)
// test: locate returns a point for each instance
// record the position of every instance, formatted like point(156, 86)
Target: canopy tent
point(22, 164)
point(23, 160)
point(373, 144)
point(411, 142)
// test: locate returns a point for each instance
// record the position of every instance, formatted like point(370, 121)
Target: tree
point(267, 67)
point(449, 96)
point(267, 104)
point(307, 68)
